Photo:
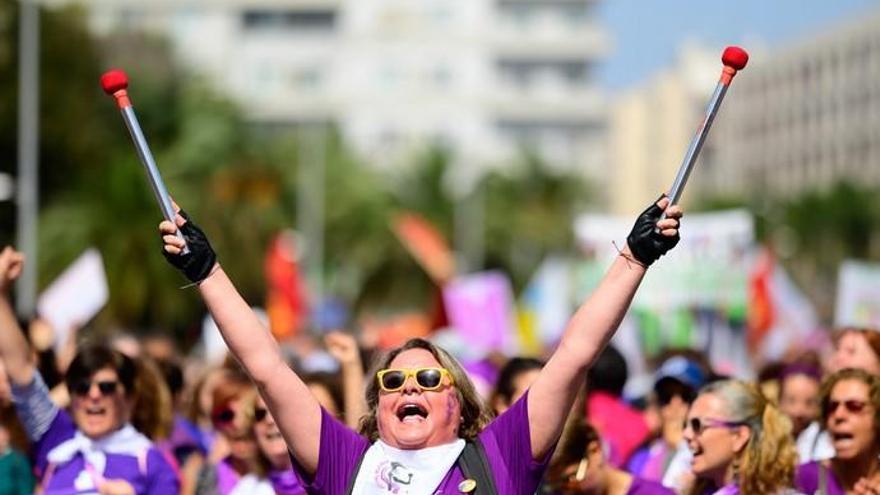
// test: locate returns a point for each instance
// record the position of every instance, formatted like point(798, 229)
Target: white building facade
point(652, 124)
point(803, 117)
point(482, 77)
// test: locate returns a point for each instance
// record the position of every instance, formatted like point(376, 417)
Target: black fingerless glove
point(196, 265)
point(645, 243)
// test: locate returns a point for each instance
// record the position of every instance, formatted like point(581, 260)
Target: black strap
point(473, 464)
point(354, 474)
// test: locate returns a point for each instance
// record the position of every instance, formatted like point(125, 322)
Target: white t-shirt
point(814, 444)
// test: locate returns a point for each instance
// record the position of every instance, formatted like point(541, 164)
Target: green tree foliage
point(828, 227)
point(814, 232)
point(530, 211)
point(239, 183)
point(72, 135)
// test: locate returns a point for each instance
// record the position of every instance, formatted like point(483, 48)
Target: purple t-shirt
point(806, 479)
point(148, 474)
point(506, 442)
point(286, 482)
point(641, 486)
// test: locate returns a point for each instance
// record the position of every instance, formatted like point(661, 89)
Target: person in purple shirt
point(271, 444)
point(851, 416)
point(93, 448)
point(580, 467)
point(741, 442)
point(422, 407)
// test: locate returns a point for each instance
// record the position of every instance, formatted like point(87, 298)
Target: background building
point(484, 77)
point(802, 117)
point(652, 124)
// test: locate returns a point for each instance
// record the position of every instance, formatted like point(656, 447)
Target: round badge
point(467, 486)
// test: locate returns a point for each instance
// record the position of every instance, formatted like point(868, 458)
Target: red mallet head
point(735, 57)
point(115, 82)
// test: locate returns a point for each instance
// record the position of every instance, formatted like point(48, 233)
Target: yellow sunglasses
point(393, 379)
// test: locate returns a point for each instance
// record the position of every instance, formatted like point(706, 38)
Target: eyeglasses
point(392, 380)
point(223, 416)
point(854, 406)
point(699, 425)
point(105, 387)
point(260, 414)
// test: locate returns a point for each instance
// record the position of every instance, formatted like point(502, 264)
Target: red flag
point(761, 314)
point(427, 245)
point(285, 296)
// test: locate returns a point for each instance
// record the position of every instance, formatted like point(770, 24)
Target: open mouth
point(841, 437)
point(95, 411)
point(411, 413)
point(273, 434)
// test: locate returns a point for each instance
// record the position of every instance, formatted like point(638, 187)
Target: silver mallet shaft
point(734, 59)
point(693, 151)
point(115, 83)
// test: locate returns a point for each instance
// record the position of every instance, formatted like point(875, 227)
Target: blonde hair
point(474, 412)
point(262, 465)
point(767, 463)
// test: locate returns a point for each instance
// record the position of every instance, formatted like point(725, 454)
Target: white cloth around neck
point(387, 470)
point(125, 441)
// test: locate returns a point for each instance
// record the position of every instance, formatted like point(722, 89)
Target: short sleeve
point(508, 440)
point(340, 453)
point(60, 430)
point(806, 477)
point(161, 475)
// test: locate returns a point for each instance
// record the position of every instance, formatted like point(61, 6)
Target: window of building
point(441, 76)
point(289, 20)
point(306, 78)
point(441, 15)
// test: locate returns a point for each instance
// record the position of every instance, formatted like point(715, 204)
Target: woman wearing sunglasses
point(580, 467)
point(273, 449)
point(851, 416)
point(93, 448)
point(741, 442)
point(422, 408)
point(234, 466)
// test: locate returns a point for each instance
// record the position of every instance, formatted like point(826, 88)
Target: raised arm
point(295, 410)
point(553, 392)
point(344, 348)
point(14, 350)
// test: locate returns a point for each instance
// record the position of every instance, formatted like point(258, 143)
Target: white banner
point(709, 267)
point(858, 295)
point(76, 296)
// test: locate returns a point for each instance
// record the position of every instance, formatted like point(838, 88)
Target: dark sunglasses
point(223, 416)
point(260, 414)
point(105, 387)
point(392, 380)
point(699, 425)
point(852, 405)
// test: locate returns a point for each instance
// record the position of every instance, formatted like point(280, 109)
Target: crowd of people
point(133, 416)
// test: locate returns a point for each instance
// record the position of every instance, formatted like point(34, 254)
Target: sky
point(645, 34)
